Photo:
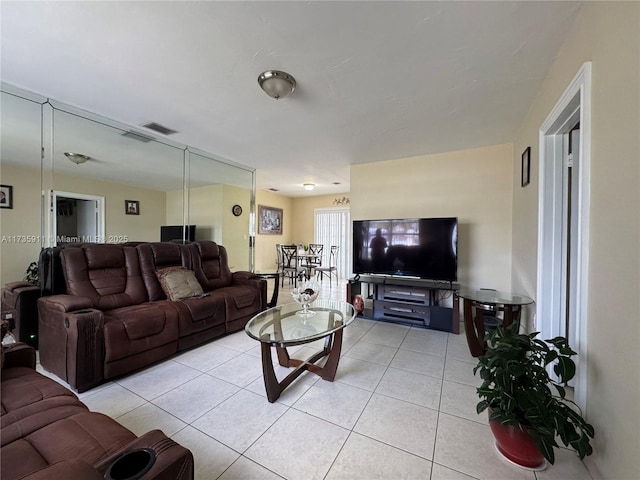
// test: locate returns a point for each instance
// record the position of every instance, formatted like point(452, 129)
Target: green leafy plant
point(518, 389)
point(31, 275)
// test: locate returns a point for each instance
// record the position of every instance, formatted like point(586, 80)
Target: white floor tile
point(196, 397)
point(461, 372)
point(299, 446)
point(211, 458)
point(228, 422)
point(402, 425)
point(468, 447)
point(567, 466)
point(460, 400)
point(113, 401)
point(149, 417)
point(363, 458)
point(371, 352)
point(206, 357)
point(438, 472)
point(359, 373)
point(432, 365)
point(411, 387)
point(158, 379)
point(240, 370)
point(245, 469)
point(334, 402)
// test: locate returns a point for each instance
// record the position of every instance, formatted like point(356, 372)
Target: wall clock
point(236, 210)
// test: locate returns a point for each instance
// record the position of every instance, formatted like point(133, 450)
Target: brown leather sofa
point(47, 433)
point(116, 318)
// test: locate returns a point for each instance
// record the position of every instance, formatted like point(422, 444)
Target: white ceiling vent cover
point(156, 127)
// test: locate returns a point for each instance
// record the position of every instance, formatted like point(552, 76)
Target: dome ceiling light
point(277, 84)
point(77, 158)
point(309, 186)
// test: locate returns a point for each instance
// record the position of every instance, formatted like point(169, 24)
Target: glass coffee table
point(284, 326)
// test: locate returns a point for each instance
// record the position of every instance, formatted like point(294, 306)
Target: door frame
point(52, 235)
point(573, 106)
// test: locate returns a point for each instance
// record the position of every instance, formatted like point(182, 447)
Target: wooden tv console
point(407, 300)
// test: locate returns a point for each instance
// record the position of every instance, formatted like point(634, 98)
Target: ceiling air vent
point(156, 127)
point(137, 136)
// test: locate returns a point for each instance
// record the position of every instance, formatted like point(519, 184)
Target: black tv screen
point(415, 247)
point(175, 233)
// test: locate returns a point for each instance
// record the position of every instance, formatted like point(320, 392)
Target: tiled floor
point(402, 406)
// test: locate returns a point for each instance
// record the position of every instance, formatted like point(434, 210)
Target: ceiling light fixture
point(277, 84)
point(309, 186)
point(77, 158)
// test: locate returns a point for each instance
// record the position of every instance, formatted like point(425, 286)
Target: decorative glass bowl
point(305, 294)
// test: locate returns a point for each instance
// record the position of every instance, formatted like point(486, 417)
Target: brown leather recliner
point(47, 433)
point(115, 317)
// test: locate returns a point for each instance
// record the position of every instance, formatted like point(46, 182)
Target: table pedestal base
point(331, 350)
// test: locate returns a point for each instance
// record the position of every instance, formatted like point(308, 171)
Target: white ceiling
point(376, 80)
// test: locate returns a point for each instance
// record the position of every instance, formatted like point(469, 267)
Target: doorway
point(75, 218)
point(563, 224)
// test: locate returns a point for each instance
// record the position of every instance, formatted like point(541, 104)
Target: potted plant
point(524, 403)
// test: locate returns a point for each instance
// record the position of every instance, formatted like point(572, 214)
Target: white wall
point(474, 185)
point(608, 35)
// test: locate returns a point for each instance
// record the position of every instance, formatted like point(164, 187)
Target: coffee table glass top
point(284, 326)
point(494, 297)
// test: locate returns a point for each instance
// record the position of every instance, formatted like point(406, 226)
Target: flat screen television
point(425, 248)
point(174, 233)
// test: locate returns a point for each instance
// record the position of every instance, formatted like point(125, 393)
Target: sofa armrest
point(66, 303)
point(172, 461)
point(19, 308)
point(76, 469)
point(72, 340)
point(252, 280)
point(19, 355)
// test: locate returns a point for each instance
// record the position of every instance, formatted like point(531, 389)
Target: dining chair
point(314, 261)
point(332, 268)
point(291, 267)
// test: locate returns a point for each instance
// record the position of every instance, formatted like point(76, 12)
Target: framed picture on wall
point(132, 207)
point(269, 220)
point(6, 196)
point(526, 167)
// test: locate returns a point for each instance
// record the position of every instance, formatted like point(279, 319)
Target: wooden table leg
point(472, 331)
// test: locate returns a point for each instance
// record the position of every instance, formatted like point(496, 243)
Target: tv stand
point(408, 300)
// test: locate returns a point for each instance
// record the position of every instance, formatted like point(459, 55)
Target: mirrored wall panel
point(98, 180)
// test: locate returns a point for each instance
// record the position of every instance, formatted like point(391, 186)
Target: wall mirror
point(102, 181)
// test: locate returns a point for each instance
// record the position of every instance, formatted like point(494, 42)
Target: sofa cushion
point(156, 256)
point(178, 283)
point(201, 313)
point(23, 386)
point(108, 275)
point(138, 328)
point(211, 265)
point(89, 436)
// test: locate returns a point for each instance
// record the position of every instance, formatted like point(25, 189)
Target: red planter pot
point(517, 446)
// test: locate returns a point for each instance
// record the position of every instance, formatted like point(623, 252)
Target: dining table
point(308, 261)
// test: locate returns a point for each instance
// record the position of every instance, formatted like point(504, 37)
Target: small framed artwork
point(526, 167)
point(132, 207)
point(269, 220)
point(6, 196)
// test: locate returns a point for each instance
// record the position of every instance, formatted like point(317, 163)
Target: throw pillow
point(179, 283)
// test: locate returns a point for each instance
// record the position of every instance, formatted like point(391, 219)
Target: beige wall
point(20, 226)
point(235, 230)
point(265, 250)
point(474, 185)
point(119, 226)
point(24, 219)
point(303, 214)
point(608, 35)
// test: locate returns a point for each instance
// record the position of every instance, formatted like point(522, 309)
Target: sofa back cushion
point(109, 275)
point(210, 265)
point(155, 256)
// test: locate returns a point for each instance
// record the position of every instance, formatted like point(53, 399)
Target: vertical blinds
point(333, 227)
